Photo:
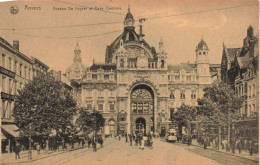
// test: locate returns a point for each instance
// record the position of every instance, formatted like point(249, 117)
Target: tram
point(172, 135)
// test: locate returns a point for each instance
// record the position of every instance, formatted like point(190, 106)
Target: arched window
point(162, 63)
point(182, 95)
point(172, 95)
point(122, 63)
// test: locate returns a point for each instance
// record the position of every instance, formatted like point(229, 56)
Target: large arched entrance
point(142, 109)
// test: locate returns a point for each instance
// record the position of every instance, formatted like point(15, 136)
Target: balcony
point(6, 96)
point(7, 72)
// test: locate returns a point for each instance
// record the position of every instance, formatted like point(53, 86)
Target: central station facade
point(136, 89)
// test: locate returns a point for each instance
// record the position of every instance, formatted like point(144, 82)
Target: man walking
point(38, 148)
point(130, 139)
point(126, 138)
point(17, 151)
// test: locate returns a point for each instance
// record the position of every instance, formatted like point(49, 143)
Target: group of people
point(139, 139)
point(93, 141)
point(240, 144)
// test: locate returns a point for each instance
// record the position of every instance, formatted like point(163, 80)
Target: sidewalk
point(243, 154)
point(9, 158)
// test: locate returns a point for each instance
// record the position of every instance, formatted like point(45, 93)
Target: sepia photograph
point(120, 82)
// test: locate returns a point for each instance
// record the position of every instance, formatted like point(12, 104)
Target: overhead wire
point(85, 36)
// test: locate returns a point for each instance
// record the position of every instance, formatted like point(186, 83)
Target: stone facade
point(136, 89)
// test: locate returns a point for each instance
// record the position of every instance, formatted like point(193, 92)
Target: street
point(118, 152)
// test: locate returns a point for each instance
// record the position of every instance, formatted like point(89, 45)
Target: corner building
point(136, 89)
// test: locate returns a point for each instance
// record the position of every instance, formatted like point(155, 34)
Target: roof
point(129, 16)
point(129, 35)
point(231, 53)
point(202, 45)
point(39, 62)
point(14, 50)
point(103, 66)
point(244, 61)
point(251, 55)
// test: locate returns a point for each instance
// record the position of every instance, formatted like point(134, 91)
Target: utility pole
point(229, 127)
point(30, 145)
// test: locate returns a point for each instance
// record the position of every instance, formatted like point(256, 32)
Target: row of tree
point(218, 107)
point(46, 104)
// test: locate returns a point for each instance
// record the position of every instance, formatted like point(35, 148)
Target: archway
point(140, 125)
point(142, 109)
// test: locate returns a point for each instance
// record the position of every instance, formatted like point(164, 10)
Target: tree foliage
point(91, 120)
point(184, 115)
point(218, 102)
point(44, 104)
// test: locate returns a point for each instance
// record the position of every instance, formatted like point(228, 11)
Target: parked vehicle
point(171, 136)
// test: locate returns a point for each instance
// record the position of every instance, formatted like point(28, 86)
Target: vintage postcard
point(110, 82)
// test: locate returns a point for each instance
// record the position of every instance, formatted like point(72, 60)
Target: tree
point(92, 120)
point(184, 114)
point(218, 106)
point(43, 105)
point(219, 102)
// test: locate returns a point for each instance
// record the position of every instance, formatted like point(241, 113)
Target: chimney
point(16, 44)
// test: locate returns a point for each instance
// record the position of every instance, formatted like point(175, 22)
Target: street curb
point(227, 153)
point(58, 153)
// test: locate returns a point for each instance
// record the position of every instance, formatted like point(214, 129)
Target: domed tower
point(77, 69)
point(129, 19)
point(202, 62)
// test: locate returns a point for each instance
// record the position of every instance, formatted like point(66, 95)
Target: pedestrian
point(205, 143)
point(82, 142)
point(142, 144)
point(251, 147)
point(100, 141)
point(94, 146)
point(17, 150)
point(246, 145)
point(239, 146)
point(136, 141)
point(126, 138)
point(130, 139)
point(119, 137)
point(89, 142)
point(133, 136)
point(233, 145)
point(38, 148)
point(189, 141)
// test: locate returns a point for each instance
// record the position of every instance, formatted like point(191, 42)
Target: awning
point(3, 136)
point(11, 129)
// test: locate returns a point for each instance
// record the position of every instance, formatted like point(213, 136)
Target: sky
point(181, 33)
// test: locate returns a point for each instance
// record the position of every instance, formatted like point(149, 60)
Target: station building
point(137, 89)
